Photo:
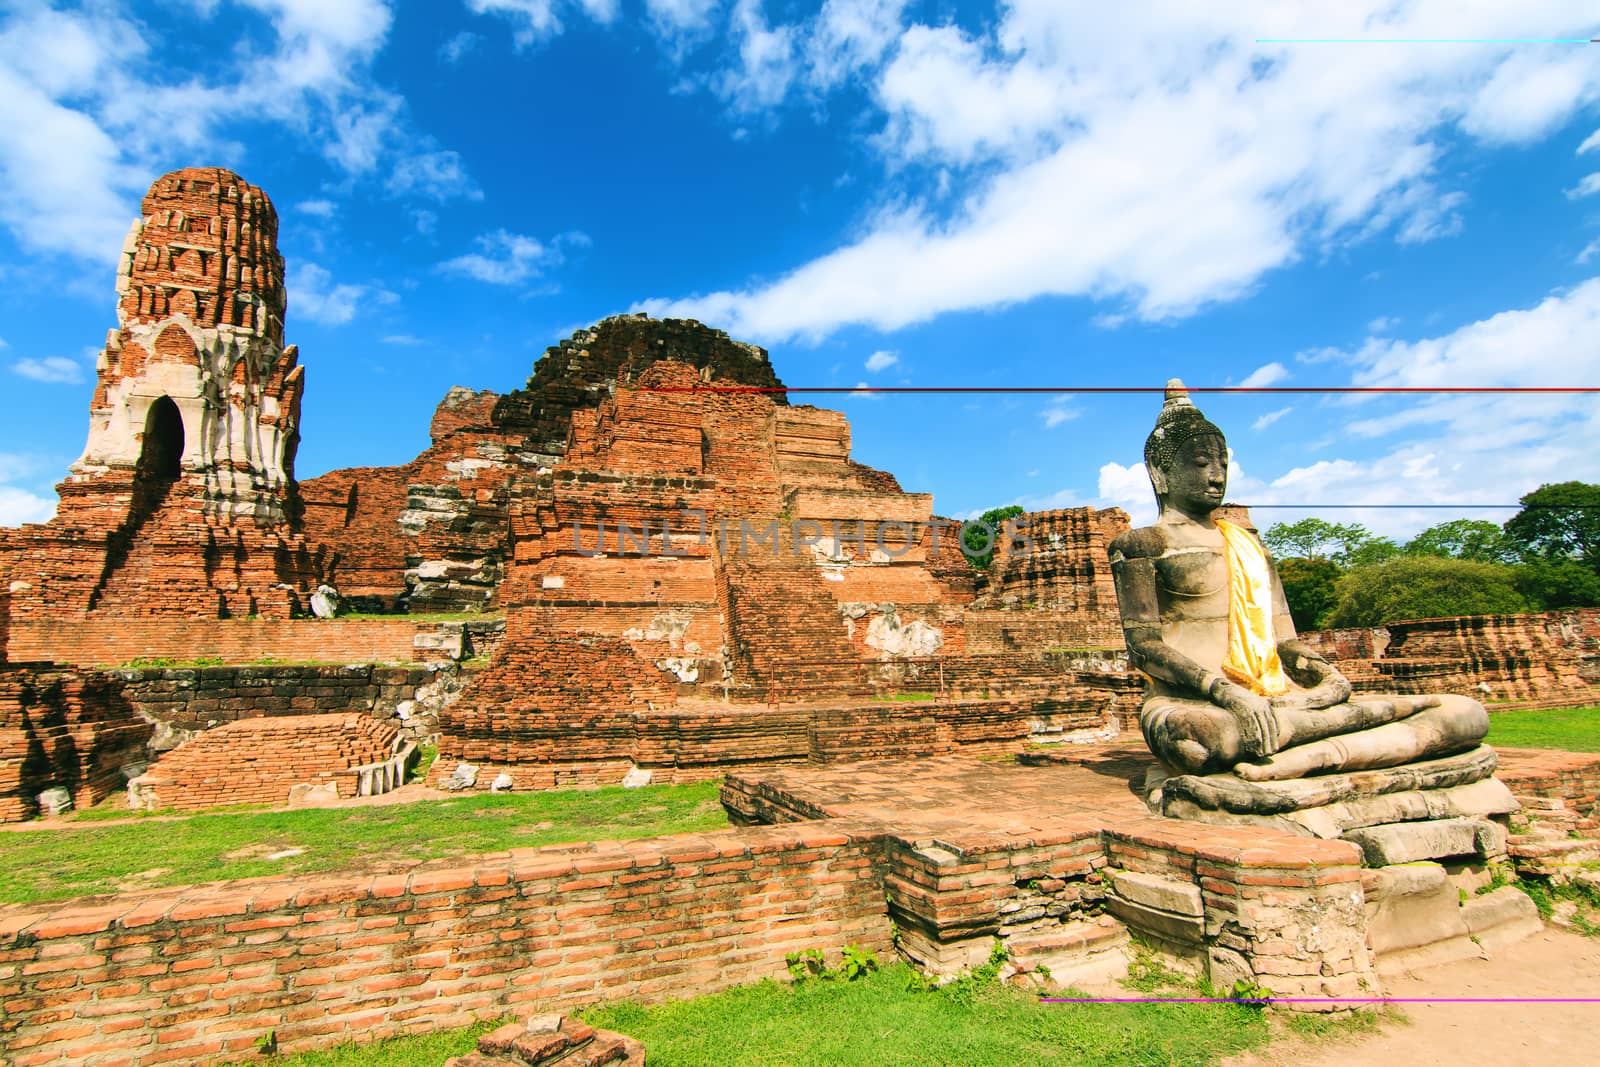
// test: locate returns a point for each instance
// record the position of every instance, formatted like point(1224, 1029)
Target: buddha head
point(1186, 456)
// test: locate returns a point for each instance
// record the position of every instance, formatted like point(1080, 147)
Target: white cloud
point(511, 258)
point(438, 175)
point(768, 64)
point(50, 369)
point(865, 391)
point(314, 295)
point(322, 209)
point(1382, 324)
point(1269, 418)
point(95, 108)
point(882, 360)
point(1058, 411)
point(18, 506)
point(1261, 377)
point(1129, 489)
point(1590, 250)
point(1150, 155)
point(1590, 143)
point(1429, 217)
point(533, 21)
point(681, 24)
point(1460, 449)
point(403, 339)
point(1588, 186)
point(849, 35)
point(456, 48)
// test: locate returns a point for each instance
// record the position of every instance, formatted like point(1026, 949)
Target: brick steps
point(552, 1041)
point(257, 761)
point(783, 624)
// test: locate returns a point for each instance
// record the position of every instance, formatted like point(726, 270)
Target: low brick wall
point(101, 642)
point(197, 975)
point(191, 699)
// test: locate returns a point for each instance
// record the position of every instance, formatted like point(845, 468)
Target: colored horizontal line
point(1428, 40)
point(1319, 1000)
point(1263, 507)
point(1465, 389)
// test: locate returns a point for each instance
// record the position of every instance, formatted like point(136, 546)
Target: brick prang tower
point(184, 501)
point(200, 327)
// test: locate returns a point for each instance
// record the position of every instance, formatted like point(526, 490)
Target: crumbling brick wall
point(1543, 658)
point(188, 700)
point(1053, 590)
point(433, 534)
point(551, 700)
point(257, 761)
point(72, 729)
point(109, 642)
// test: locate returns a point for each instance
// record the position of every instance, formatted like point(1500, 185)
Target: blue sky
point(884, 192)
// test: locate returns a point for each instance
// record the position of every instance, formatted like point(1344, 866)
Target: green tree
point(1365, 549)
point(1351, 545)
point(1308, 585)
point(1549, 585)
point(1306, 539)
point(978, 544)
point(1474, 539)
point(1559, 521)
point(1425, 587)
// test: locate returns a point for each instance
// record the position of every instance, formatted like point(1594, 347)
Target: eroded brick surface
point(256, 761)
point(72, 729)
point(1543, 659)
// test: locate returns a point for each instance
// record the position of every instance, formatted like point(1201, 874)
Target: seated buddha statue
point(1231, 690)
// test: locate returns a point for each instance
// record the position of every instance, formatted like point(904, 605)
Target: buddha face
point(1197, 477)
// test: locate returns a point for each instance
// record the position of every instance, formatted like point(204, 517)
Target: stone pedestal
point(1431, 810)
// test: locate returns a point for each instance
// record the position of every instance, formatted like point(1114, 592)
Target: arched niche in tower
point(161, 455)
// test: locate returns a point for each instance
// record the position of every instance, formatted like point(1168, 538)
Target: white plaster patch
point(917, 638)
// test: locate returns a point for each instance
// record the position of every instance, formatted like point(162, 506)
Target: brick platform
point(1051, 855)
point(257, 761)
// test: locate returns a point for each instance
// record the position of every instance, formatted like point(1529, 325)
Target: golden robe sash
point(1252, 659)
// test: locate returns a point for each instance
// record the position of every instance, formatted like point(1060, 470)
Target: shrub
point(1424, 587)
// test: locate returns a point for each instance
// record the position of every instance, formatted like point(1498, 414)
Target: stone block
point(1163, 907)
point(1165, 894)
point(944, 959)
point(313, 795)
point(1412, 906)
point(1427, 839)
point(1501, 917)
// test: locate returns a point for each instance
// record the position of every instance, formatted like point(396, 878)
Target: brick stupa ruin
point(183, 503)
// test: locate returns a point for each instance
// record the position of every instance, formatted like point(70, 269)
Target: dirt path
point(1556, 963)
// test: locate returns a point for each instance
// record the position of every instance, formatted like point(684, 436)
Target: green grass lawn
point(1572, 729)
point(886, 1018)
point(54, 864)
